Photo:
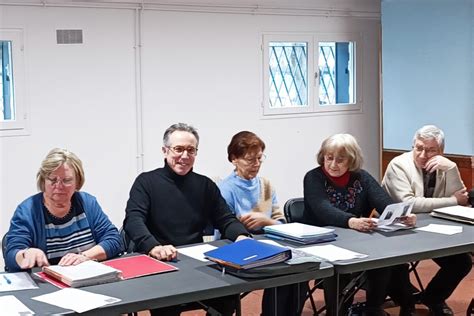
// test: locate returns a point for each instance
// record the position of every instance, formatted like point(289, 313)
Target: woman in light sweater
point(254, 202)
point(250, 197)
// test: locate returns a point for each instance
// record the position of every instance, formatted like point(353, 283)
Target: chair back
point(4, 249)
point(127, 242)
point(294, 210)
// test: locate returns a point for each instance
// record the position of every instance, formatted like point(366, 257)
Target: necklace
point(58, 217)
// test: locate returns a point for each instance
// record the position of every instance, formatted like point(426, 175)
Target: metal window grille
point(288, 78)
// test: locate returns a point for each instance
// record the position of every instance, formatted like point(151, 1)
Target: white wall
point(197, 67)
point(81, 97)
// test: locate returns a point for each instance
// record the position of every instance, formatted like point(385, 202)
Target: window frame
point(19, 126)
point(313, 107)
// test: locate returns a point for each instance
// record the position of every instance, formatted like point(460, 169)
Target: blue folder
point(248, 253)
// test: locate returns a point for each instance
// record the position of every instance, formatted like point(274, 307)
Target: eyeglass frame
point(66, 182)
point(338, 160)
point(252, 161)
point(194, 150)
point(428, 151)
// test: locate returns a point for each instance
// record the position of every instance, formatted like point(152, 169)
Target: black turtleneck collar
point(173, 175)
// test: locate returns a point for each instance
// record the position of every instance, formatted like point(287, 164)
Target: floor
point(459, 301)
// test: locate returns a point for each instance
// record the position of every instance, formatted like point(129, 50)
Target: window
point(311, 73)
point(13, 116)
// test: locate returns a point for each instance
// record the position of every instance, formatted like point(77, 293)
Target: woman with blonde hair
point(60, 225)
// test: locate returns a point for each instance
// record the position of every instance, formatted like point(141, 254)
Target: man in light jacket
point(431, 180)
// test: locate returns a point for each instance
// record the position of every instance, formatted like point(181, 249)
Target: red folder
point(137, 266)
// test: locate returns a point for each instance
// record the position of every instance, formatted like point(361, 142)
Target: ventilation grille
point(69, 36)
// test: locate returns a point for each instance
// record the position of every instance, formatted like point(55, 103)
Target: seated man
point(171, 206)
point(431, 181)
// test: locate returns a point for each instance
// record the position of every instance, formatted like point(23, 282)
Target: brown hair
point(243, 142)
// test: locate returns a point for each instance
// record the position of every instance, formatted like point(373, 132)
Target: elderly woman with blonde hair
point(340, 193)
point(60, 225)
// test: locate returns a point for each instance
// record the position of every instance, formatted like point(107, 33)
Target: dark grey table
point(392, 248)
point(195, 280)
point(388, 249)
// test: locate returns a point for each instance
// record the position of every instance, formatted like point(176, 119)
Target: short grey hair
point(345, 145)
point(183, 127)
point(430, 132)
point(55, 159)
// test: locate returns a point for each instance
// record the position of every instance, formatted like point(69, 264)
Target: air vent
point(69, 36)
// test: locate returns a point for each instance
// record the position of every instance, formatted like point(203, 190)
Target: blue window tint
point(336, 74)
point(6, 84)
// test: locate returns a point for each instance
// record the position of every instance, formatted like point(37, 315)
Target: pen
point(7, 279)
point(372, 214)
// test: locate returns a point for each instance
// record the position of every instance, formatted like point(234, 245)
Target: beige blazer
point(403, 181)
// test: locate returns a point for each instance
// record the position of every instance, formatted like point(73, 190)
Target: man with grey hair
point(431, 180)
point(171, 206)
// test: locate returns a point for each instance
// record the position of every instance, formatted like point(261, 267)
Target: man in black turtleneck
point(171, 206)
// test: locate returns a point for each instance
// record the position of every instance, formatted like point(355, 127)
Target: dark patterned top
point(328, 204)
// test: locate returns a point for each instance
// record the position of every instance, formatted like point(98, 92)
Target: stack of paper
point(455, 213)
point(300, 233)
point(84, 274)
point(248, 253)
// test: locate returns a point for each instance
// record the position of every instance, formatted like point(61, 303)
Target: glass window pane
point(6, 83)
point(288, 79)
point(336, 73)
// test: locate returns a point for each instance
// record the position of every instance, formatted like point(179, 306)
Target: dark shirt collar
point(173, 175)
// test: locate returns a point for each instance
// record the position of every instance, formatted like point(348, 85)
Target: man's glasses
point(428, 151)
point(179, 150)
point(67, 182)
point(254, 160)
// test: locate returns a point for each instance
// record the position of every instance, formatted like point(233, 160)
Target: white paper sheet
point(441, 229)
point(196, 252)
point(16, 281)
point(11, 306)
point(332, 253)
point(78, 300)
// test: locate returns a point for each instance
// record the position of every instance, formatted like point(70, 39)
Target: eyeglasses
point(254, 160)
point(330, 158)
point(179, 150)
point(67, 182)
point(428, 151)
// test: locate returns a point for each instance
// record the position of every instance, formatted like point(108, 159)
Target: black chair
point(294, 210)
point(129, 245)
point(4, 249)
